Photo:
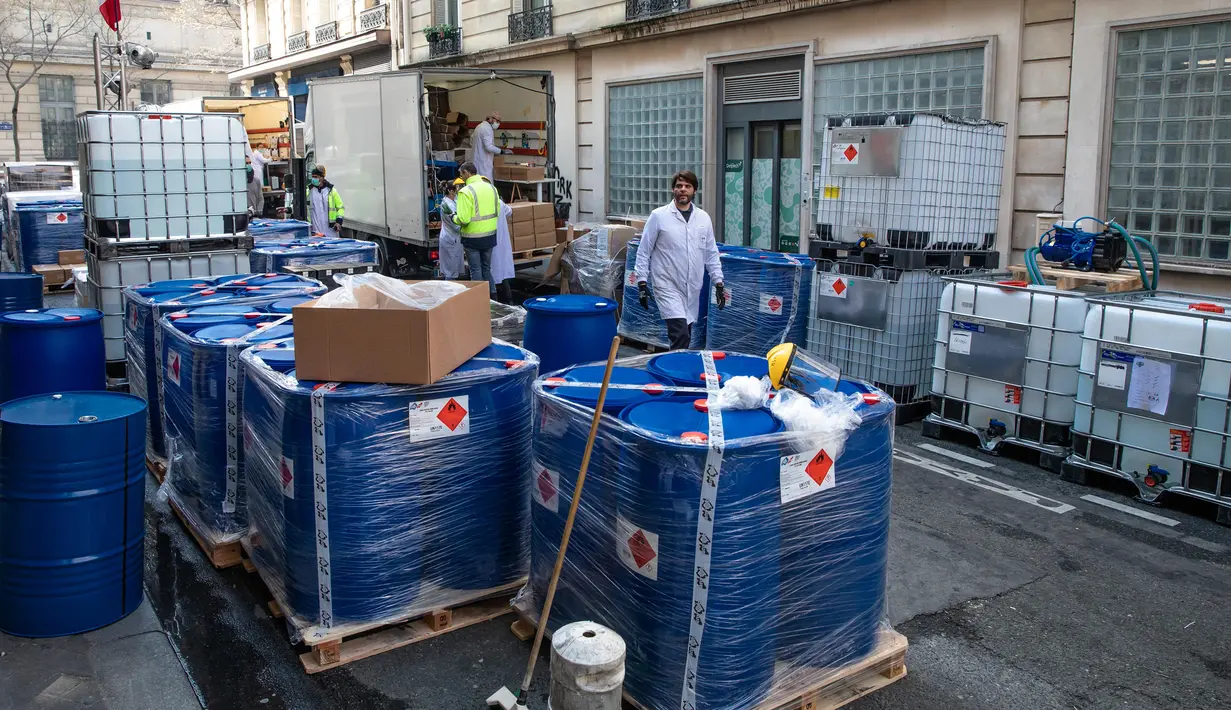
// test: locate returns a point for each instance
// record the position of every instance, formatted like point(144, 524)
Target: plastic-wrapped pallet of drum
point(1006, 362)
point(276, 256)
point(597, 260)
point(739, 540)
point(44, 227)
point(163, 176)
point(645, 325)
point(911, 180)
point(768, 296)
point(879, 324)
point(1152, 403)
point(368, 504)
point(508, 322)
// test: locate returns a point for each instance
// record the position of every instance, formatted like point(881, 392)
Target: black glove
point(720, 296)
point(643, 294)
point(337, 224)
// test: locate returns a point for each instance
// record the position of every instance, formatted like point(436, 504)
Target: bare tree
point(31, 31)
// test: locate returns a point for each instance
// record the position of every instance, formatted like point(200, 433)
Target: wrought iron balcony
point(260, 53)
point(297, 42)
point(327, 32)
point(530, 24)
point(441, 46)
point(374, 18)
point(643, 9)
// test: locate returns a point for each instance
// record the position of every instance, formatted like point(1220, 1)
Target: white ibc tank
point(1010, 351)
point(1155, 377)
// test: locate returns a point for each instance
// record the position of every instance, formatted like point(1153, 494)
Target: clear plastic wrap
point(269, 257)
point(594, 270)
point(44, 228)
point(768, 296)
point(278, 229)
point(724, 547)
point(508, 322)
point(203, 408)
point(81, 289)
point(419, 295)
point(369, 504)
point(646, 325)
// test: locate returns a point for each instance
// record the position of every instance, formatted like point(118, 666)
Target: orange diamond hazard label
point(643, 554)
point(637, 548)
point(833, 286)
point(803, 475)
point(547, 489)
point(173, 367)
point(819, 467)
point(452, 414)
point(838, 286)
point(57, 218)
point(771, 304)
point(438, 418)
point(286, 470)
point(850, 153)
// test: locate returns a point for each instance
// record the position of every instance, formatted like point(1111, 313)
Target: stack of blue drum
point(42, 229)
point(794, 564)
point(275, 256)
point(278, 229)
point(144, 305)
point(768, 299)
point(48, 350)
point(370, 502)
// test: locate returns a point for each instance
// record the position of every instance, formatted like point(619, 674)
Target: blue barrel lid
point(686, 367)
point(232, 331)
point(286, 304)
point(266, 280)
point(644, 386)
point(17, 276)
point(194, 318)
point(82, 408)
point(570, 304)
point(766, 258)
point(278, 354)
point(47, 206)
point(196, 298)
point(493, 356)
point(688, 418)
point(175, 285)
point(52, 316)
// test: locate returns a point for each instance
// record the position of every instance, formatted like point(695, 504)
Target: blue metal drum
point(51, 350)
point(569, 330)
point(274, 257)
point(203, 406)
point(268, 281)
point(278, 229)
point(560, 434)
point(686, 368)
point(193, 319)
point(20, 292)
point(45, 228)
point(658, 501)
point(647, 325)
point(426, 487)
point(769, 298)
point(285, 305)
point(72, 486)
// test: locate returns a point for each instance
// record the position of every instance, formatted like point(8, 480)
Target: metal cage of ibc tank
point(1185, 449)
point(1030, 363)
point(878, 324)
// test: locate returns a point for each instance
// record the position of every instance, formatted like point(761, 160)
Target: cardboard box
point(526, 172)
point(569, 233)
point(53, 274)
point(523, 229)
point(637, 224)
point(386, 341)
point(456, 117)
point(543, 240)
point(544, 210)
point(525, 243)
point(546, 226)
point(618, 237)
point(522, 212)
point(70, 257)
point(500, 172)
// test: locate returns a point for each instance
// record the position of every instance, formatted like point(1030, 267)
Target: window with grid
point(1170, 178)
point(156, 91)
point(58, 110)
point(654, 129)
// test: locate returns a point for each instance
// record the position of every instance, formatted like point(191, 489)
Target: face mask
point(495, 124)
point(249, 172)
point(315, 182)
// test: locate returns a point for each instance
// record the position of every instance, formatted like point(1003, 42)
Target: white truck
point(374, 135)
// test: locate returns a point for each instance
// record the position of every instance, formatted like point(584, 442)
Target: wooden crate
point(1072, 279)
point(221, 555)
point(157, 469)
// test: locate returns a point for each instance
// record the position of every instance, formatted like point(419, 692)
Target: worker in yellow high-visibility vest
point(478, 212)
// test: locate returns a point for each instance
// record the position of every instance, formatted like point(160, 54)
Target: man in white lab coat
point(677, 248)
point(485, 148)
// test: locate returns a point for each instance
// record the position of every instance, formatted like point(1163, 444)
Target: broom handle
point(568, 524)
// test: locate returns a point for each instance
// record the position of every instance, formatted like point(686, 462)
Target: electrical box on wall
point(865, 152)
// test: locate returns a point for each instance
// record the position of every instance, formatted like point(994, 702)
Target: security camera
point(141, 56)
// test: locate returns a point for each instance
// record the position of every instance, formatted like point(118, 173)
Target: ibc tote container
point(1152, 395)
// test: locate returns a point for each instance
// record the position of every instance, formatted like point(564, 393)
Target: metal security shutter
point(755, 88)
point(371, 62)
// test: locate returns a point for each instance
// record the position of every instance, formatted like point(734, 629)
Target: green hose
point(1032, 266)
point(1150, 284)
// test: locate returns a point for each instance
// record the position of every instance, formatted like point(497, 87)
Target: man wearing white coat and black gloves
point(677, 247)
point(485, 148)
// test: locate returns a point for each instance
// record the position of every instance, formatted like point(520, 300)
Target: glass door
point(762, 170)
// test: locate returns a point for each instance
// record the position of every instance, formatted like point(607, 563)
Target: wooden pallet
point(528, 255)
point(220, 555)
point(1072, 279)
point(157, 469)
point(644, 347)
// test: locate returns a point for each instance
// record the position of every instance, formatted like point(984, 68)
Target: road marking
point(956, 456)
point(987, 484)
point(1131, 510)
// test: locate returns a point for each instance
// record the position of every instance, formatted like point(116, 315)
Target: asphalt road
point(1013, 591)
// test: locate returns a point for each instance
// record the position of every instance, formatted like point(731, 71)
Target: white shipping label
point(1112, 374)
point(834, 286)
point(844, 153)
point(771, 304)
point(959, 342)
point(439, 418)
point(173, 367)
point(546, 488)
point(802, 475)
point(286, 472)
point(57, 218)
point(1150, 386)
point(637, 548)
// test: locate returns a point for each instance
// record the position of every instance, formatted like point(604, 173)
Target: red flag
point(110, 10)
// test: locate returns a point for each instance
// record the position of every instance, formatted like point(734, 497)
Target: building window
point(58, 109)
point(1170, 178)
point(944, 82)
point(448, 12)
point(654, 130)
point(156, 91)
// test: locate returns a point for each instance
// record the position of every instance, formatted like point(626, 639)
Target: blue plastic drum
point(569, 330)
point(51, 350)
point(268, 280)
point(72, 487)
point(646, 325)
point(688, 369)
point(20, 292)
point(769, 299)
point(658, 501)
point(286, 305)
point(278, 229)
point(275, 257)
point(193, 319)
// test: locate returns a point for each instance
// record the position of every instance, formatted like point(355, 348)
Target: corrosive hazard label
point(771, 304)
point(637, 548)
point(1181, 441)
point(173, 367)
point(802, 475)
point(546, 489)
point(439, 418)
point(833, 286)
point(845, 153)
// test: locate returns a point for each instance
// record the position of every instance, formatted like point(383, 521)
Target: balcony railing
point(260, 53)
point(442, 46)
point(374, 18)
point(297, 42)
point(327, 32)
point(642, 9)
point(530, 24)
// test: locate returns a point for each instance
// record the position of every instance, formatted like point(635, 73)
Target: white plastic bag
point(372, 290)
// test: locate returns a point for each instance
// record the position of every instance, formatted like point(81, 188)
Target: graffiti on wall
point(564, 193)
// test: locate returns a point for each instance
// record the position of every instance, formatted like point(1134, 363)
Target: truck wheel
point(382, 256)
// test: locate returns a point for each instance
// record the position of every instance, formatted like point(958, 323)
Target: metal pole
point(98, 73)
point(119, 47)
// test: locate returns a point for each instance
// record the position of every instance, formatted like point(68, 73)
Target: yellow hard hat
point(780, 358)
point(459, 181)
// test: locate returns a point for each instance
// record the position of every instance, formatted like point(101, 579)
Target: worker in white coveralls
point(677, 248)
point(502, 256)
point(452, 256)
point(485, 148)
point(325, 209)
